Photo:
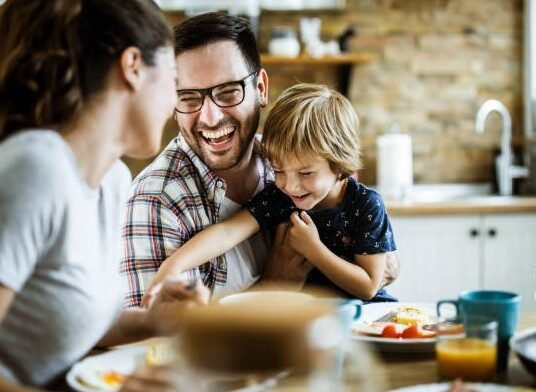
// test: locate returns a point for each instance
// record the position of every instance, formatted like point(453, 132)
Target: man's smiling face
point(220, 136)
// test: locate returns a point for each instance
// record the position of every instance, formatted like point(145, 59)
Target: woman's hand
point(304, 236)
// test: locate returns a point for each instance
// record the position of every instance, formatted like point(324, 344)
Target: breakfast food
point(160, 353)
point(458, 386)
point(411, 315)
point(110, 380)
point(406, 322)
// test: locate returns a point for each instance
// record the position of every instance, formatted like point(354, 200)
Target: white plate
point(442, 387)
point(253, 296)
point(122, 360)
point(371, 312)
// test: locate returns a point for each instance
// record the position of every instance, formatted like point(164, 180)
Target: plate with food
point(460, 386)
point(107, 372)
point(401, 327)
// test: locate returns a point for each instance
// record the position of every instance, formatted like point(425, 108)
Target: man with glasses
point(211, 168)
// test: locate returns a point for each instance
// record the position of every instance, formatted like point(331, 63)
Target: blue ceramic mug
point(502, 306)
point(347, 311)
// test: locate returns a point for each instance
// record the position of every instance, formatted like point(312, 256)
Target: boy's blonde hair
point(313, 120)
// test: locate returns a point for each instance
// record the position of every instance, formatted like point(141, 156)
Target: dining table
point(407, 369)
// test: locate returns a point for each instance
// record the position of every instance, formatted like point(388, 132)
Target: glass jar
point(283, 42)
point(271, 341)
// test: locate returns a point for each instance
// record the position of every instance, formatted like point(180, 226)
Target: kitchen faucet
point(506, 170)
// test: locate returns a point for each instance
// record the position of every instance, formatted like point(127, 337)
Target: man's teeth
point(218, 134)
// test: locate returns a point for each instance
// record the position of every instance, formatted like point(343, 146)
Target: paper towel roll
point(395, 166)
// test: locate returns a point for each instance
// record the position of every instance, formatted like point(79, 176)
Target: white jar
point(283, 42)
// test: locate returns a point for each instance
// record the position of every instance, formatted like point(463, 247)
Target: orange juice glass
point(468, 358)
point(471, 355)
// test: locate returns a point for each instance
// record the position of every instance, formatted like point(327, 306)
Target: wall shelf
point(342, 59)
point(344, 62)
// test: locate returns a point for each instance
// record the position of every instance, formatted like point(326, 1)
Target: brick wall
point(436, 62)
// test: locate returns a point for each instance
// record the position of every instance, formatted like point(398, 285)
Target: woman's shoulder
point(39, 157)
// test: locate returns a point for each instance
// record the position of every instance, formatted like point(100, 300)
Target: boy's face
point(220, 136)
point(309, 182)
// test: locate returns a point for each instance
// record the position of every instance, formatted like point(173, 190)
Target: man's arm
point(151, 232)
point(284, 265)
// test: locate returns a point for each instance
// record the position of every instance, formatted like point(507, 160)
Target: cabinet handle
point(474, 233)
point(492, 232)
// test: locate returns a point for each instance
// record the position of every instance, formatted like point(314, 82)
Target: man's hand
point(284, 264)
point(392, 268)
point(169, 299)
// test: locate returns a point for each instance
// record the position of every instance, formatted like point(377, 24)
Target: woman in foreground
point(82, 83)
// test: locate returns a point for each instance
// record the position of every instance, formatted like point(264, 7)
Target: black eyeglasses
point(224, 95)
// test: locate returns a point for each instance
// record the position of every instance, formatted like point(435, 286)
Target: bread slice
point(411, 315)
point(160, 354)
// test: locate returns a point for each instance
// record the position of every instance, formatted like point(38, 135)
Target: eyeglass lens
point(224, 95)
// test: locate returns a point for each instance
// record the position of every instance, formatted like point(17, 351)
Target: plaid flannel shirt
point(174, 198)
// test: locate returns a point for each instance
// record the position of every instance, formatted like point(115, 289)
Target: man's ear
point(262, 86)
point(131, 67)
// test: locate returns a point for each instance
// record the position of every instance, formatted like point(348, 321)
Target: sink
point(443, 193)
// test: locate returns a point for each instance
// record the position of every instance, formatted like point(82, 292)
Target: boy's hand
point(170, 298)
point(151, 292)
point(304, 236)
point(167, 271)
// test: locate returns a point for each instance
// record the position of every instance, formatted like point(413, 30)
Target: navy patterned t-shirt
point(359, 225)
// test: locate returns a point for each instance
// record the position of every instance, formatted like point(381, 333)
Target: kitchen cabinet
point(443, 255)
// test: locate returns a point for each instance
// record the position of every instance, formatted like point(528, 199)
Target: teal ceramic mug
point(502, 306)
point(347, 311)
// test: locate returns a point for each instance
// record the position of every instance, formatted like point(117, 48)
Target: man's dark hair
point(212, 27)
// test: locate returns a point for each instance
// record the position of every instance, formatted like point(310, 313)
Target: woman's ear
point(262, 86)
point(131, 67)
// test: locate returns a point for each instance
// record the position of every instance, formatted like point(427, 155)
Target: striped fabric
point(174, 198)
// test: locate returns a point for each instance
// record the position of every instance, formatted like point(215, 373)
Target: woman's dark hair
point(212, 27)
point(56, 54)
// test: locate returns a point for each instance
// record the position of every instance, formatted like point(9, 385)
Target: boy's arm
point(208, 244)
point(361, 277)
point(392, 268)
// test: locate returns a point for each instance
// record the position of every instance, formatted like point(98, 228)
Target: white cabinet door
point(510, 255)
point(440, 256)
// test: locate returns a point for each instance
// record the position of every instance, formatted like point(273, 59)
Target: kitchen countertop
point(467, 205)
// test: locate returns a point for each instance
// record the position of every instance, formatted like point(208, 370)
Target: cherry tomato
point(411, 332)
point(389, 331)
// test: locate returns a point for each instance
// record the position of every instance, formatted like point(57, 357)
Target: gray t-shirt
point(59, 243)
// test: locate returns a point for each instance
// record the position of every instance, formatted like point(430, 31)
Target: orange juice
point(468, 358)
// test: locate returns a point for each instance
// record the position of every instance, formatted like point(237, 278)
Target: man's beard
point(211, 158)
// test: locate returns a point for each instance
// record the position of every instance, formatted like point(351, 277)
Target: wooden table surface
point(402, 370)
